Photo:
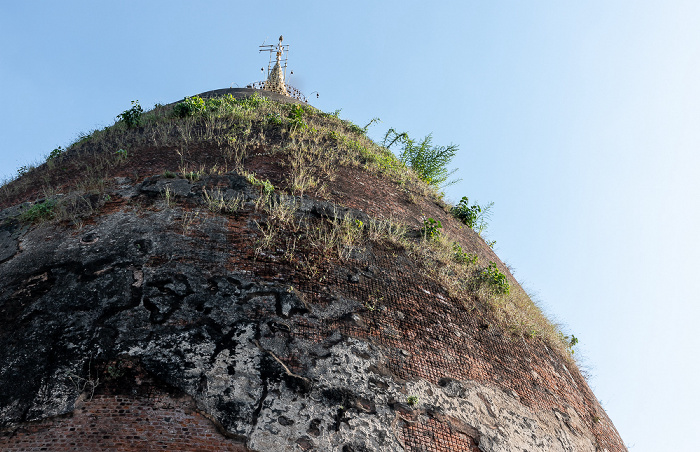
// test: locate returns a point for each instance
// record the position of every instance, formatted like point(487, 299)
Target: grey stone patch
point(14, 211)
point(123, 182)
point(157, 185)
point(227, 384)
point(340, 409)
point(10, 233)
point(125, 188)
point(503, 423)
point(330, 210)
point(339, 308)
point(347, 407)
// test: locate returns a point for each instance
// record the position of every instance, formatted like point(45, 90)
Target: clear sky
point(580, 120)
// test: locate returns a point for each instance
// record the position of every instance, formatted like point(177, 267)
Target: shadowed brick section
point(124, 423)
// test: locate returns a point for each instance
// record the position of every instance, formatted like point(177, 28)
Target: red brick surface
point(435, 436)
point(425, 335)
point(430, 336)
point(124, 423)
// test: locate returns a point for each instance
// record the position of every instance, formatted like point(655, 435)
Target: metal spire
point(276, 72)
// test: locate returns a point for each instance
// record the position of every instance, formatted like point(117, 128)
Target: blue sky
point(578, 119)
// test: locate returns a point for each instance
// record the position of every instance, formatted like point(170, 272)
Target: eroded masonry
point(254, 275)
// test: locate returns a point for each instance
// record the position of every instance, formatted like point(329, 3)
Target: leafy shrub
point(39, 211)
point(56, 153)
point(265, 185)
point(132, 116)
point(428, 161)
point(463, 257)
point(252, 102)
point(431, 228)
point(495, 279)
point(189, 107)
point(22, 170)
point(467, 215)
point(476, 217)
point(296, 118)
point(273, 118)
point(215, 103)
point(569, 341)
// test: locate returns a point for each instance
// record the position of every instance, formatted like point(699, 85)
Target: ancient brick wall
point(287, 347)
point(153, 422)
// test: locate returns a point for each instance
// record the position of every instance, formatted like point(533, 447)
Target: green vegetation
point(55, 154)
point(216, 202)
point(189, 107)
point(494, 278)
point(39, 212)
point(378, 157)
point(463, 257)
point(296, 118)
point(354, 128)
point(195, 106)
point(431, 229)
point(266, 186)
point(22, 170)
point(274, 119)
point(427, 161)
point(475, 217)
point(192, 176)
point(570, 341)
point(412, 400)
point(122, 154)
point(310, 146)
point(132, 116)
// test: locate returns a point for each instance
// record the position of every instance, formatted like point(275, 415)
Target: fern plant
point(428, 161)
